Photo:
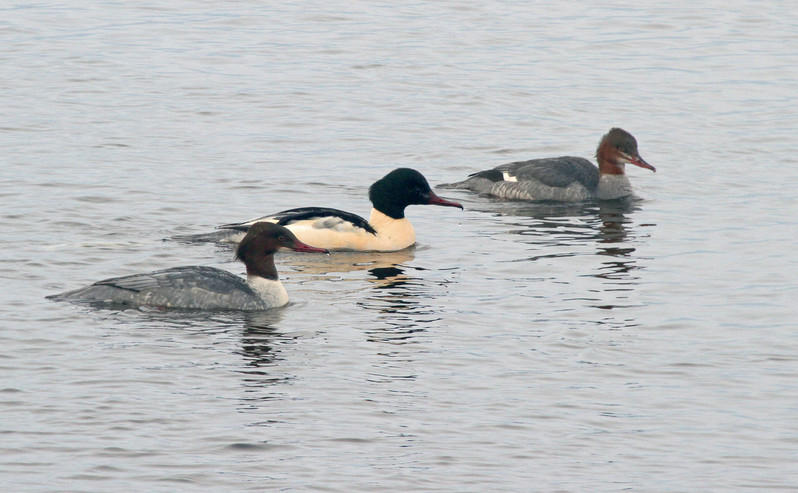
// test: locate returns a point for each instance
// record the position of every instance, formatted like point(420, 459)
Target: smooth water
point(517, 347)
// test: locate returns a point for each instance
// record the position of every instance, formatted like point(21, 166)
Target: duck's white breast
point(271, 291)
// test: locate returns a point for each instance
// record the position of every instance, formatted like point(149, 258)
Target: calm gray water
point(517, 347)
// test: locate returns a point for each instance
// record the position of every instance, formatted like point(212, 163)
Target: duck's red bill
point(638, 161)
point(435, 200)
point(302, 247)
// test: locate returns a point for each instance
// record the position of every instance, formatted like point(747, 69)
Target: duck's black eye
point(281, 237)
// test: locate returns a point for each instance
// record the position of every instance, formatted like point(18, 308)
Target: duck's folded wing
point(316, 217)
point(192, 277)
point(552, 172)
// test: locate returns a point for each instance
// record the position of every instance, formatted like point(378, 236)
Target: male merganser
point(566, 178)
point(387, 229)
point(205, 288)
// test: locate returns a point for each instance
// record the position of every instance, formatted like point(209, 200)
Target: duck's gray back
point(554, 172)
point(561, 179)
point(194, 287)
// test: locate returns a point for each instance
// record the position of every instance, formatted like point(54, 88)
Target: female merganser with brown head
point(566, 178)
point(205, 288)
point(387, 229)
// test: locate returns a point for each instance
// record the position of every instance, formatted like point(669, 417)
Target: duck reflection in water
point(564, 228)
point(612, 241)
point(351, 261)
point(399, 298)
point(402, 303)
point(260, 350)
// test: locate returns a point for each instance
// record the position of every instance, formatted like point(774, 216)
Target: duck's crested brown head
point(616, 148)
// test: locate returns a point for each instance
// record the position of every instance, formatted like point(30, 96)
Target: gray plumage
point(560, 179)
point(192, 287)
point(554, 172)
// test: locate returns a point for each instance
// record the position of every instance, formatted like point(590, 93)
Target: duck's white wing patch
point(508, 177)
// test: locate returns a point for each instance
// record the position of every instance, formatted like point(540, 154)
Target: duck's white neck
point(270, 290)
point(613, 187)
point(392, 234)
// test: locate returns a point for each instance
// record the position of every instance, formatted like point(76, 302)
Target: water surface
point(517, 347)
